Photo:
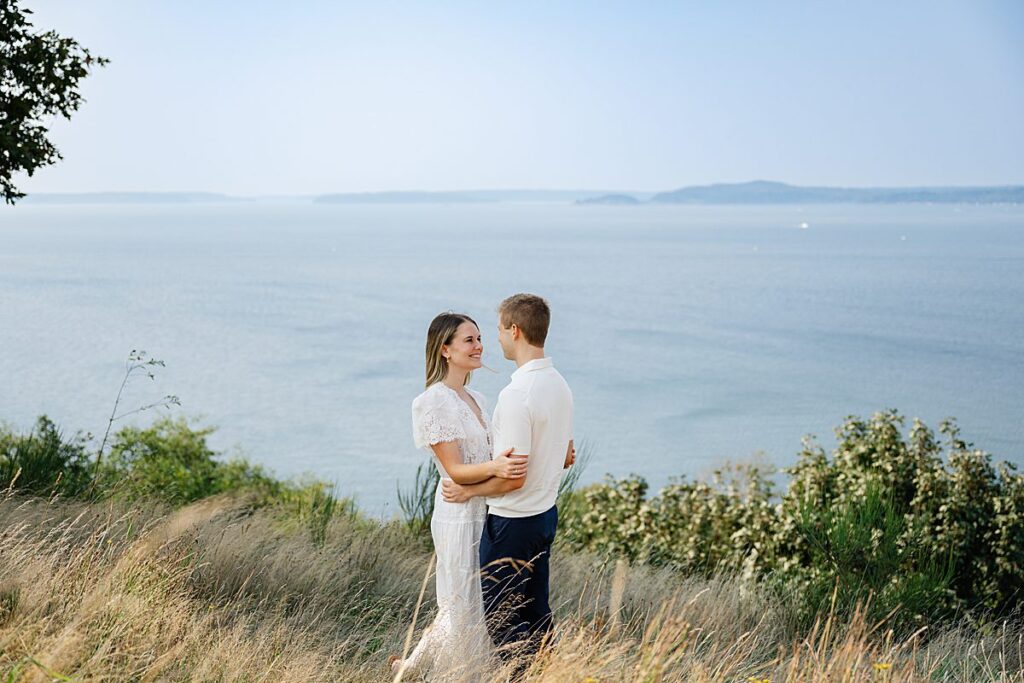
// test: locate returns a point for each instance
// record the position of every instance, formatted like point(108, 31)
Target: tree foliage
point(39, 77)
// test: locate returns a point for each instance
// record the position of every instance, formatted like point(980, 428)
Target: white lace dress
point(456, 642)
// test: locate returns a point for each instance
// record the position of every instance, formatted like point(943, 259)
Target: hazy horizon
point(475, 190)
point(264, 99)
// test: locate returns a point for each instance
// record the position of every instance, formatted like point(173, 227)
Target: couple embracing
point(494, 514)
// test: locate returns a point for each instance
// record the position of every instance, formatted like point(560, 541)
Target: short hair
point(530, 313)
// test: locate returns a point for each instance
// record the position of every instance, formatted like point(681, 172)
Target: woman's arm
point(502, 468)
point(454, 492)
point(459, 492)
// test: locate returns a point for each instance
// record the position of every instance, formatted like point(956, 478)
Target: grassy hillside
point(224, 589)
point(887, 560)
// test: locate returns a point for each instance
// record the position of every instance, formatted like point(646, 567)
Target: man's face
point(505, 339)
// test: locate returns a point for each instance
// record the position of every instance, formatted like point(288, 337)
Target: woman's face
point(466, 348)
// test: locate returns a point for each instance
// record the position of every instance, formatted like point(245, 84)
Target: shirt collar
point(530, 366)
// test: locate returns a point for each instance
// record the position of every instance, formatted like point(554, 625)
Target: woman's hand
point(508, 466)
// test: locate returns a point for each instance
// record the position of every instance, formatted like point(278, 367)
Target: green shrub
point(691, 526)
point(885, 517)
point(171, 461)
point(859, 552)
point(42, 462)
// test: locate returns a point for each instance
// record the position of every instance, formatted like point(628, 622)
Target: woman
point(451, 421)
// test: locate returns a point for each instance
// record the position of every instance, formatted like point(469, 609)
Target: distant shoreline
point(751, 193)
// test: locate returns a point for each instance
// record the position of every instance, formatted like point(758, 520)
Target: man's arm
point(570, 455)
point(457, 493)
point(516, 434)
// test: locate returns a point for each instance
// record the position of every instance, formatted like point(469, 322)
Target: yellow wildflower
point(881, 666)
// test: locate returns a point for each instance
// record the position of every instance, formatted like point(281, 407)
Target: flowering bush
point(886, 517)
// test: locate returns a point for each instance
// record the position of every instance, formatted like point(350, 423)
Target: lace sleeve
point(435, 419)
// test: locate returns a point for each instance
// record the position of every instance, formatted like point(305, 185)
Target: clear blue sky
point(262, 97)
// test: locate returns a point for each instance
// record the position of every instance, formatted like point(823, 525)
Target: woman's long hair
point(442, 331)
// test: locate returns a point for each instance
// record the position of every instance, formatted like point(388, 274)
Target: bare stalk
point(137, 361)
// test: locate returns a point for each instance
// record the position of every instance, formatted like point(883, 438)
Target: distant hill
point(767, 192)
point(459, 197)
point(613, 199)
point(127, 198)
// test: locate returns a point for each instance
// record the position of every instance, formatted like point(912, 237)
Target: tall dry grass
point(222, 590)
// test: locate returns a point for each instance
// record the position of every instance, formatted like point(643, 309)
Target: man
point(533, 416)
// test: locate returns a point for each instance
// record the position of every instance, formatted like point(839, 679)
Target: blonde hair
point(441, 331)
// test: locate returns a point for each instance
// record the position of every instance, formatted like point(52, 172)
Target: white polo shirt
point(533, 415)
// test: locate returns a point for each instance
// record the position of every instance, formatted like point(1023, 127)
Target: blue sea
point(691, 335)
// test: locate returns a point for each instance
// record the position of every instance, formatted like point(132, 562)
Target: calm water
point(690, 335)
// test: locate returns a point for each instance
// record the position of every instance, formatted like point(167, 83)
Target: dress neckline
point(478, 417)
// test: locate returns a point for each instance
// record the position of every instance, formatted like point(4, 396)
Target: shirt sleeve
point(513, 424)
point(434, 420)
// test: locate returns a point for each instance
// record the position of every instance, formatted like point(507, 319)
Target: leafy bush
point(171, 461)
point(884, 517)
point(692, 526)
point(857, 550)
point(43, 462)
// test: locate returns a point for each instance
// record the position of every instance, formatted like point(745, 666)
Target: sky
point(307, 97)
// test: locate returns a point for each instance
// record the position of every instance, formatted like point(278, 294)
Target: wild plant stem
point(110, 424)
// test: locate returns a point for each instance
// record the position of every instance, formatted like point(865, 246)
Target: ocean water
point(690, 335)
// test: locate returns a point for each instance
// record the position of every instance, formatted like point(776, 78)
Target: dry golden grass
point(220, 591)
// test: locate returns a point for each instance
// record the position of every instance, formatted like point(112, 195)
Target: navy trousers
point(515, 555)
